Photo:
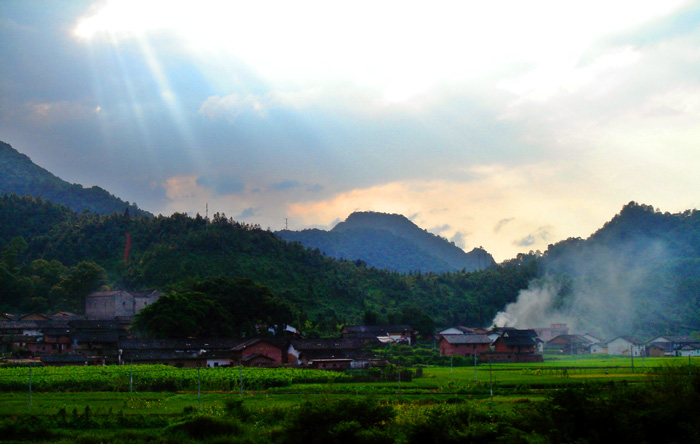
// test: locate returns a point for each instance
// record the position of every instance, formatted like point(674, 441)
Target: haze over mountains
point(391, 242)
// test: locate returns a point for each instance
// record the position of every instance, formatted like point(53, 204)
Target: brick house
point(466, 345)
point(268, 352)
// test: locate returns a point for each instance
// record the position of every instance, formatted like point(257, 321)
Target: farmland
point(103, 403)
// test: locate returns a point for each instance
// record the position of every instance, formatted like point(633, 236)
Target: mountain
point(390, 242)
point(43, 246)
point(638, 274)
point(19, 175)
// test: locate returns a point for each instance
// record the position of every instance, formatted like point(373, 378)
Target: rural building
point(382, 333)
point(569, 345)
point(262, 352)
point(625, 346)
point(554, 330)
point(466, 345)
point(105, 305)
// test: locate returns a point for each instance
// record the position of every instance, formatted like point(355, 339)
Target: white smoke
point(595, 289)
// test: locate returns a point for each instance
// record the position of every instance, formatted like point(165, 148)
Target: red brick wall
point(265, 349)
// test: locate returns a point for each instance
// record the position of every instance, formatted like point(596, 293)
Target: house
point(554, 330)
point(673, 343)
point(461, 330)
point(104, 305)
point(517, 346)
point(188, 352)
point(383, 333)
point(656, 350)
point(689, 350)
point(72, 359)
point(267, 352)
point(339, 359)
point(467, 345)
point(625, 346)
point(599, 348)
point(331, 354)
point(569, 344)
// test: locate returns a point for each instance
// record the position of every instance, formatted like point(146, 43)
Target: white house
point(625, 346)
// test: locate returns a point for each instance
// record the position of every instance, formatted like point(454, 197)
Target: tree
point(221, 306)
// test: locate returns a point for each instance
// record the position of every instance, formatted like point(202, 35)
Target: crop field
point(102, 403)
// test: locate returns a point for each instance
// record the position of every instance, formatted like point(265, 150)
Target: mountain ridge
point(20, 175)
point(392, 242)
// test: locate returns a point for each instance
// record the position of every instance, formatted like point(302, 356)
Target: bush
point(204, 426)
point(339, 421)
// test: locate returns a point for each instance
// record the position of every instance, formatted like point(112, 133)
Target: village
point(102, 337)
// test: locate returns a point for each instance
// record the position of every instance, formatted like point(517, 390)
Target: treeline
point(323, 292)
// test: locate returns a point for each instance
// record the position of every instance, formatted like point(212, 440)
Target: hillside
point(19, 175)
point(166, 250)
point(639, 273)
point(390, 242)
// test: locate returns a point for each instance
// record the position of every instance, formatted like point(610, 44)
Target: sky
point(508, 125)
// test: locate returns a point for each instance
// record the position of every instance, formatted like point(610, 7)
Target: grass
point(517, 381)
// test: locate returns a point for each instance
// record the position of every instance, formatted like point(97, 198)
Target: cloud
point(459, 239)
point(221, 185)
point(501, 223)
point(541, 234)
point(286, 185)
point(247, 213)
point(439, 229)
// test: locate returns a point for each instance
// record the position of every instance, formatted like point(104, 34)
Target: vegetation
point(216, 307)
point(19, 175)
point(323, 293)
point(659, 409)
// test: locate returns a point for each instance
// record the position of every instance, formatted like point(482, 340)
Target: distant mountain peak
point(390, 241)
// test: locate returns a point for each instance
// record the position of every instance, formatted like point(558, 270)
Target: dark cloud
point(285, 185)
point(221, 185)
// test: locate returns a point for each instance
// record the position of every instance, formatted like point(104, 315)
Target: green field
point(141, 400)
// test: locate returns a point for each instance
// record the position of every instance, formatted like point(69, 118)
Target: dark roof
point(511, 332)
point(570, 339)
point(279, 342)
point(32, 325)
point(91, 324)
point(379, 330)
point(679, 339)
point(159, 355)
point(467, 339)
point(362, 355)
point(180, 344)
point(65, 358)
point(97, 336)
point(327, 344)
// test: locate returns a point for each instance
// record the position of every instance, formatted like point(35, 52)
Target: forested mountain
point(166, 250)
point(390, 242)
point(639, 273)
point(19, 175)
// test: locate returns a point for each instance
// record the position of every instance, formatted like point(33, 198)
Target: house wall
point(623, 347)
point(100, 307)
point(467, 350)
point(265, 349)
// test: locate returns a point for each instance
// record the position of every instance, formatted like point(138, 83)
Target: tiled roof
point(467, 339)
